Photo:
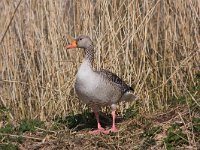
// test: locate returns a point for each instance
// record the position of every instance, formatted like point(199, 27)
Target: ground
point(177, 128)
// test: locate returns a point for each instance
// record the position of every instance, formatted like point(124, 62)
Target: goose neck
point(89, 54)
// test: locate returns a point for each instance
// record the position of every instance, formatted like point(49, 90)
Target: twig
point(10, 21)
point(24, 136)
point(46, 130)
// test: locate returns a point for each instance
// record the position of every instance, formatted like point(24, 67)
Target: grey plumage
point(106, 87)
point(115, 79)
point(98, 88)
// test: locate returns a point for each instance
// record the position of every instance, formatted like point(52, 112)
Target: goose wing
point(114, 79)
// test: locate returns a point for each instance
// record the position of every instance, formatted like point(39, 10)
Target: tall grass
point(153, 45)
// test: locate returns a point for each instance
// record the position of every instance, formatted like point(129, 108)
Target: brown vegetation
point(153, 45)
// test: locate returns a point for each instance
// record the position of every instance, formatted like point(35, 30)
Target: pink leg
point(113, 129)
point(99, 129)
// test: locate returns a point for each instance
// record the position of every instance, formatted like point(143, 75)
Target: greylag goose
point(98, 88)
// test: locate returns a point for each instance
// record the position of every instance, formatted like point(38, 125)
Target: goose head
point(82, 41)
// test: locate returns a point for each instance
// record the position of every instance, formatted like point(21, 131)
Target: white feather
point(91, 87)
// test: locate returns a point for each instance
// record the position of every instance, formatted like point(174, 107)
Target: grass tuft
point(131, 113)
point(196, 125)
point(29, 125)
point(8, 128)
point(9, 146)
point(175, 137)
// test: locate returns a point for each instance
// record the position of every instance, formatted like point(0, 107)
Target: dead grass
point(157, 131)
point(153, 45)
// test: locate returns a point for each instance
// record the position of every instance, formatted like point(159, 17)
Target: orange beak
point(72, 45)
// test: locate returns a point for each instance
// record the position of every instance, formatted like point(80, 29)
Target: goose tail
point(128, 96)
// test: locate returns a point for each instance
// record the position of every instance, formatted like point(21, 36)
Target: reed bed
point(153, 45)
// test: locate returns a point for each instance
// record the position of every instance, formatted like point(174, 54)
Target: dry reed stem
point(153, 45)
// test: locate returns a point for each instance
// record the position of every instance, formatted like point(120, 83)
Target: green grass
point(9, 146)
point(131, 113)
point(151, 132)
point(30, 125)
point(175, 137)
point(10, 134)
point(3, 109)
point(196, 124)
point(148, 136)
point(8, 128)
point(78, 121)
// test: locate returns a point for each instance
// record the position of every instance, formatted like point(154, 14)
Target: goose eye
point(80, 39)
